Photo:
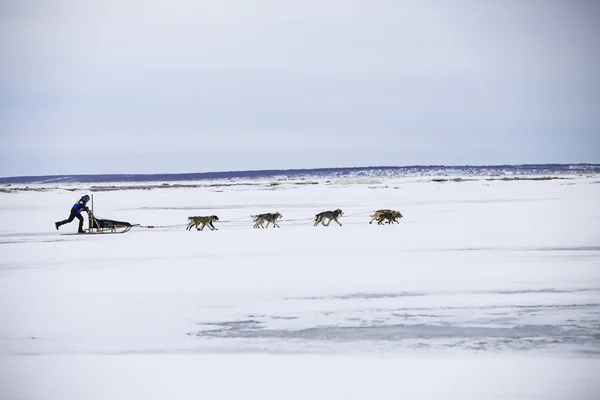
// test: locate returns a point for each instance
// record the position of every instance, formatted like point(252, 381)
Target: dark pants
point(74, 214)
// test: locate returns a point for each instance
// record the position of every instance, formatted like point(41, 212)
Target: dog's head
point(277, 215)
point(397, 214)
point(213, 218)
point(338, 212)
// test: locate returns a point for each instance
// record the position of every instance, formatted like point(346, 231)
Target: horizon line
point(275, 170)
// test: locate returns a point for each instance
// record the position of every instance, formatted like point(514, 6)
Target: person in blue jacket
point(76, 213)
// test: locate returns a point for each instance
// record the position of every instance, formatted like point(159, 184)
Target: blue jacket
point(80, 205)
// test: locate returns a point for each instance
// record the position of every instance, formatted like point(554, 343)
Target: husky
point(260, 219)
point(208, 220)
point(330, 216)
point(390, 215)
point(378, 213)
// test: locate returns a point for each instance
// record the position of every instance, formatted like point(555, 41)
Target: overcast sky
point(132, 86)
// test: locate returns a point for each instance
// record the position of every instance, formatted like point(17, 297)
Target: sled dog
point(208, 220)
point(330, 216)
point(390, 215)
point(378, 213)
point(269, 218)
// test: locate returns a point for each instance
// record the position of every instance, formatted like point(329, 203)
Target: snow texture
point(485, 289)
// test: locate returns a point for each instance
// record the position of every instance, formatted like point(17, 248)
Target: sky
point(148, 86)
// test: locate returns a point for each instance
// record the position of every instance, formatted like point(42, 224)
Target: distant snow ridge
point(324, 173)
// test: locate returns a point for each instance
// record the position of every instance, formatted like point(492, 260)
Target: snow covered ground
point(486, 289)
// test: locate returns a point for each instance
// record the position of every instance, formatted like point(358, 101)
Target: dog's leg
point(202, 227)
point(214, 229)
point(338, 222)
point(268, 222)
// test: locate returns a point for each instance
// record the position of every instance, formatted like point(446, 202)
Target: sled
point(105, 226)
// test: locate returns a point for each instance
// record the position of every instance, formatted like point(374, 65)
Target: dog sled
point(104, 226)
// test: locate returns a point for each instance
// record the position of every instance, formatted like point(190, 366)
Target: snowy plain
point(485, 289)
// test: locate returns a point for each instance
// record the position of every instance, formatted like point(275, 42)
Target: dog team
point(323, 218)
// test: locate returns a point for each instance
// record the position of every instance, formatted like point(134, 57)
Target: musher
point(76, 212)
